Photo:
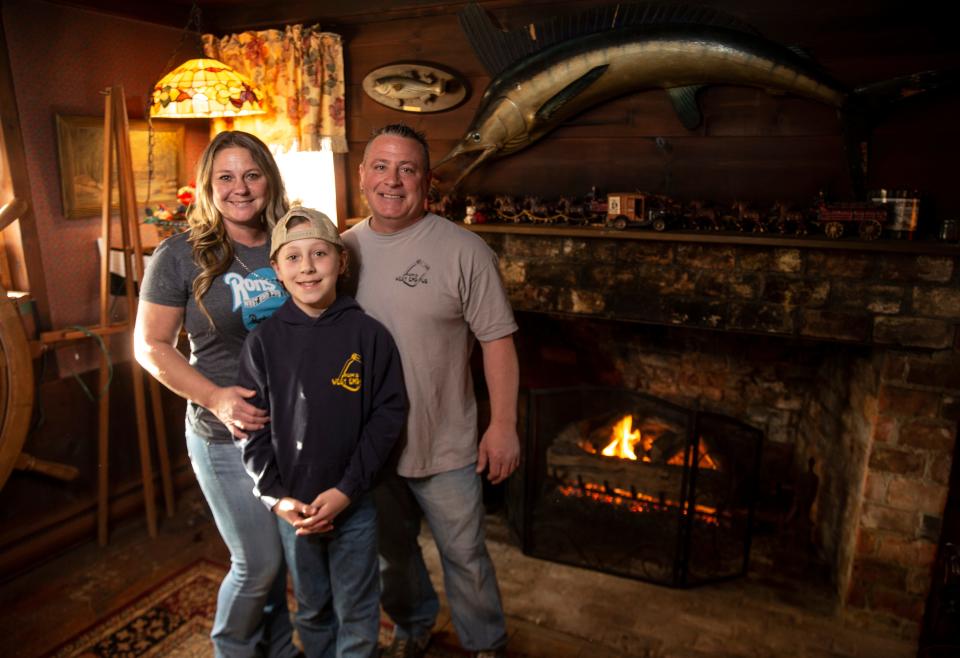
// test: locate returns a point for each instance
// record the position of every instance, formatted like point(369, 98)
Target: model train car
point(625, 209)
point(868, 218)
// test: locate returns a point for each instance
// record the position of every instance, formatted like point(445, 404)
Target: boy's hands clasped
point(316, 517)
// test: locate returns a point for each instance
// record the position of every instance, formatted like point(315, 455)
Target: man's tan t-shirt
point(436, 287)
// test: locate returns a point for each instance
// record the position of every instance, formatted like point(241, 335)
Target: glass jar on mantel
point(904, 210)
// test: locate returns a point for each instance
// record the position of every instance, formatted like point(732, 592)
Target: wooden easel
point(116, 138)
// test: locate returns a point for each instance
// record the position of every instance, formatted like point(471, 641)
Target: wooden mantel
point(727, 238)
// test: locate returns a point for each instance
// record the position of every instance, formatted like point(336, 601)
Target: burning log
point(655, 474)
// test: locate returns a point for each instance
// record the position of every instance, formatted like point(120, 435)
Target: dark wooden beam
point(238, 16)
point(173, 13)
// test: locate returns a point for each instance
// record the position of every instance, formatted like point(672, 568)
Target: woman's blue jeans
point(337, 584)
point(452, 503)
point(252, 617)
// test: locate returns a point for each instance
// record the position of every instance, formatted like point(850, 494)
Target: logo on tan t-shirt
point(415, 274)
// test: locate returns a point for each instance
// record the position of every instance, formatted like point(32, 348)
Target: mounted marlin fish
point(545, 74)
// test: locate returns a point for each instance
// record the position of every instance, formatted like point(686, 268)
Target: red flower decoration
point(337, 111)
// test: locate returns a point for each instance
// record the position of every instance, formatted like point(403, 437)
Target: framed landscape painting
point(80, 148)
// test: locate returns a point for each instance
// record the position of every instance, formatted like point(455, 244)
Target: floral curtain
point(300, 72)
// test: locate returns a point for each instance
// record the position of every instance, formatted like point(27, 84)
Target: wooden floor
point(55, 601)
point(553, 610)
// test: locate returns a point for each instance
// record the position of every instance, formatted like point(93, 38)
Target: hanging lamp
point(204, 88)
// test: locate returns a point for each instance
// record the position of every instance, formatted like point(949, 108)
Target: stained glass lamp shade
point(205, 88)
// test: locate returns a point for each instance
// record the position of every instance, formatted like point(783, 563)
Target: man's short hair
point(405, 131)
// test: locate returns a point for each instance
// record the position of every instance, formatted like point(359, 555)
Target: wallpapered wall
point(61, 59)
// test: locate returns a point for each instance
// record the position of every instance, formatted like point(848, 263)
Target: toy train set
point(622, 210)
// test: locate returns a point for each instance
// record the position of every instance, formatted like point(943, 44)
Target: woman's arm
point(155, 348)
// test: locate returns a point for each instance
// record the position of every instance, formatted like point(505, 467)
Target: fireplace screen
point(629, 484)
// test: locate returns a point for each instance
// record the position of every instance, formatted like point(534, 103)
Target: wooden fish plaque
point(415, 87)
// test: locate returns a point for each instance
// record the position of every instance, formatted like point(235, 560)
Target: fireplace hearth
point(629, 484)
point(846, 356)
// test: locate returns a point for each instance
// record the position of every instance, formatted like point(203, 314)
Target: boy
point(330, 378)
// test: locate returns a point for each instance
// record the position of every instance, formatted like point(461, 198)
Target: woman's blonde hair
point(212, 248)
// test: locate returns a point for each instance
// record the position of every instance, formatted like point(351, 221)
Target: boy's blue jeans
point(252, 616)
point(452, 503)
point(336, 583)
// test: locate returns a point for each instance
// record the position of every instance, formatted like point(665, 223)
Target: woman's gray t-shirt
point(238, 300)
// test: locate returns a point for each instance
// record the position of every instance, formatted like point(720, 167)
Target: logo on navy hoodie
point(349, 379)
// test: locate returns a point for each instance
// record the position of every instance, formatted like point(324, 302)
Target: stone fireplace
point(843, 353)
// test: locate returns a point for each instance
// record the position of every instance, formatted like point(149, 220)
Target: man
point(437, 288)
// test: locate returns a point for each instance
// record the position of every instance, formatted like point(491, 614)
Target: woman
point(215, 280)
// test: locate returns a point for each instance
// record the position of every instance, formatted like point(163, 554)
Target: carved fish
point(547, 74)
point(403, 88)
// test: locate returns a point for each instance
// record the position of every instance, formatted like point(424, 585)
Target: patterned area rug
point(174, 620)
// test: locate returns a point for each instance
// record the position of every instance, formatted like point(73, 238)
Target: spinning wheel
point(16, 399)
point(16, 387)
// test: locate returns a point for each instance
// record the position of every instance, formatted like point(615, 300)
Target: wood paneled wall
point(752, 146)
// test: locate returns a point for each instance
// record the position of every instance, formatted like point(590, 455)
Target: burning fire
point(632, 444)
point(624, 439)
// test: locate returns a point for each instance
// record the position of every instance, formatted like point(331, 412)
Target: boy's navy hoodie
point(333, 387)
